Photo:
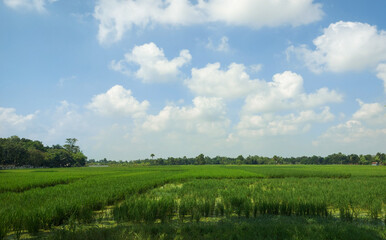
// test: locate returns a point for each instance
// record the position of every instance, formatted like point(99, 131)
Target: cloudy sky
point(128, 78)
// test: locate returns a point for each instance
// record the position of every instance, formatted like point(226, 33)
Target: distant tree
point(36, 157)
point(380, 158)
point(91, 160)
point(70, 145)
point(336, 158)
point(200, 159)
point(240, 159)
point(22, 151)
point(80, 159)
point(364, 159)
point(59, 158)
point(57, 146)
point(353, 159)
point(277, 159)
point(152, 155)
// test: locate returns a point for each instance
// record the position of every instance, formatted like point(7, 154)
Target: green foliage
point(336, 158)
point(20, 152)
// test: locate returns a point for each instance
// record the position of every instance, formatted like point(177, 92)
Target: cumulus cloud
point(345, 46)
point(31, 5)
point(207, 116)
point(265, 111)
point(354, 135)
point(365, 130)
point(274, 124)
point(118, 101)
point(116, 17)
point(260, 13)
point(371, 113)
point(153, 65)
point(10, 120)
point(286, 92)
point(350, 132)
point(215, 82)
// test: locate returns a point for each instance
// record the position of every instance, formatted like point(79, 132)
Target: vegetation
point(336, 158)
point(17, 151)
point(193, 202)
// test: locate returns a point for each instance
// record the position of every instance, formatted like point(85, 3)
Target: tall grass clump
point(145, 210)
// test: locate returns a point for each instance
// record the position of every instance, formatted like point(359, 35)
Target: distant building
point(374, 163)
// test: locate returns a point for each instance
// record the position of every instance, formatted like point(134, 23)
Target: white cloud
point(381, 74)
point(153, 65)
point(116, 17)
point(222, 46)
point(118, 101)
point(345, 46)
point(371, 113)
point(273, 124)
point(260, 13)
point(229, 84)
point(206, 116)
point(11, 121)
point(286, 92)
point(32, 5)
point(354, 135)
point(365, 130)
point(265, 112)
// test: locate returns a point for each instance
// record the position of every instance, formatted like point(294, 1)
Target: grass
point(264, 227)
point(174, 202)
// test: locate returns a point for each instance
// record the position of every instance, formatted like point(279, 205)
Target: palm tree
point(152, 155)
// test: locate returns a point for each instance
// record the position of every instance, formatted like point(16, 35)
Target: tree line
point(336, 158)
point(18, 152)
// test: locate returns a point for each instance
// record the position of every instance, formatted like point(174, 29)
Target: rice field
point(179, 202)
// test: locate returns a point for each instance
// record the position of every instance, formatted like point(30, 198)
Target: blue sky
point(178, 78)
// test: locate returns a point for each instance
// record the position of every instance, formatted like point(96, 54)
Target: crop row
point(150, 210)
point(349, 199)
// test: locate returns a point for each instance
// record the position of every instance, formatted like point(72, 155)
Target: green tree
point(364, 159)
point(380, 158)
point(36, 157)
point(240, 159)
point(59, 158)
point(70, 145)
point(80, 159)
point(353, 159)
point(200, 159)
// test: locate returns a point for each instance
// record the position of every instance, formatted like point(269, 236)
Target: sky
point(129, 78)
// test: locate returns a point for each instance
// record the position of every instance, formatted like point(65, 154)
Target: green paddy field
point(194, 202)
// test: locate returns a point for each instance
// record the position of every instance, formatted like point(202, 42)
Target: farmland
point(182, 202)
